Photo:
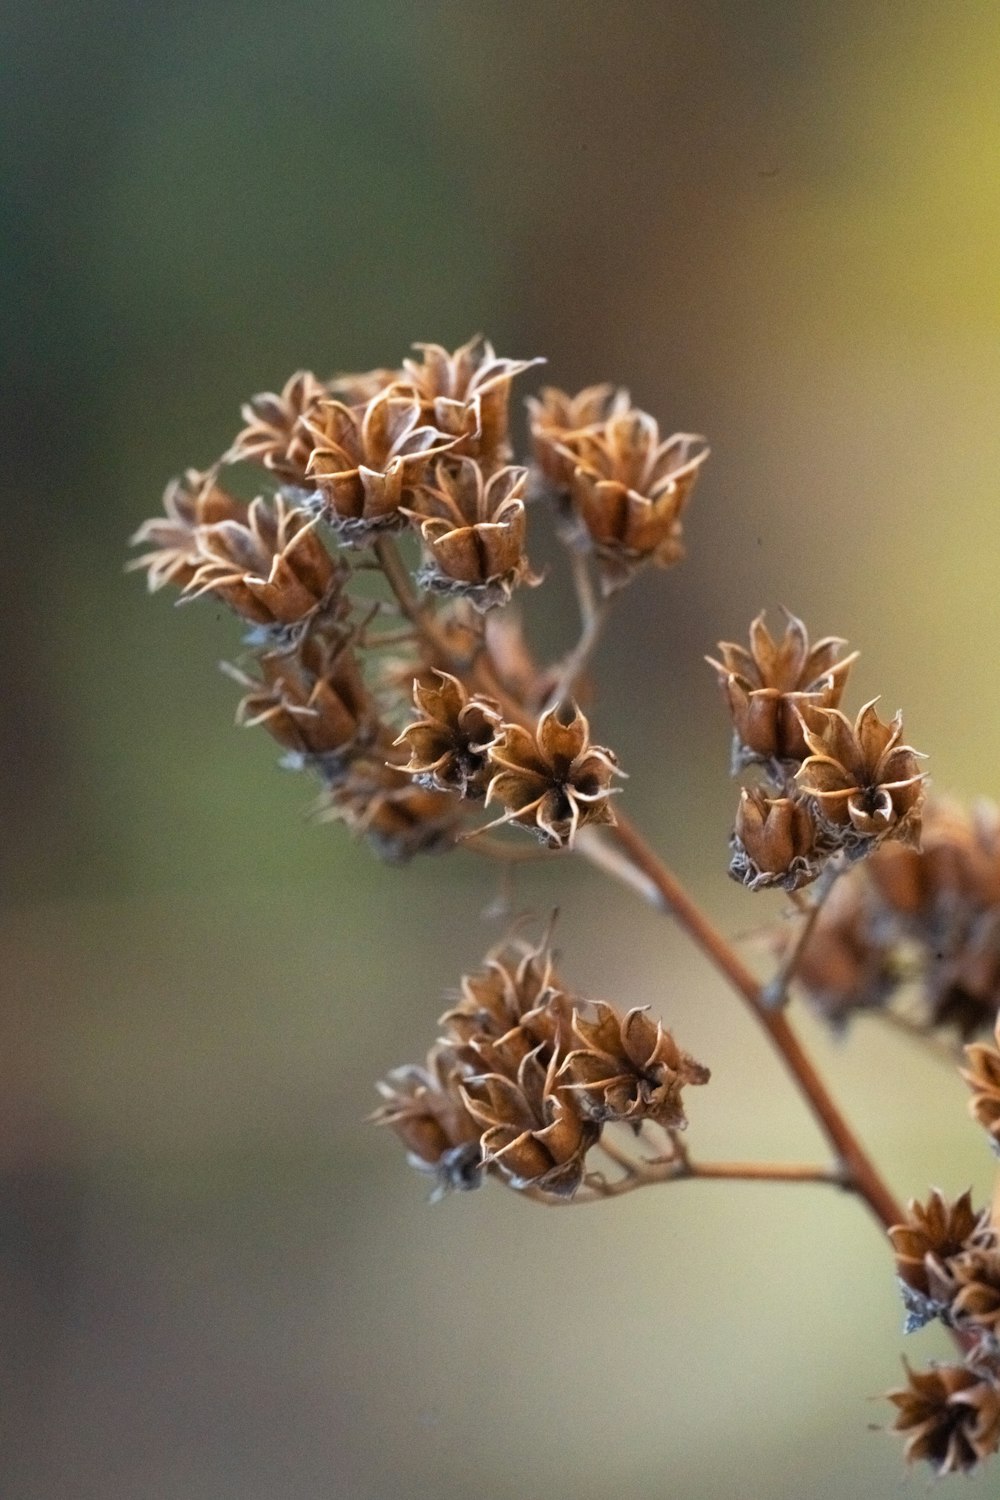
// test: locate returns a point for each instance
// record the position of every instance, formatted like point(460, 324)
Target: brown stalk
point(859, 1172)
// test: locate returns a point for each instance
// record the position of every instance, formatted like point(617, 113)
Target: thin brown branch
point(859, 1171)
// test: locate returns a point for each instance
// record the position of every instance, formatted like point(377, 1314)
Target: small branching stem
point(596, 1188)
point(775, 993)
point(857, 1171)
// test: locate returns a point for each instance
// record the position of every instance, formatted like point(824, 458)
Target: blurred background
point(778, 224)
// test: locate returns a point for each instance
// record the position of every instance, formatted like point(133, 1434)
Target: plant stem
point(859, 1171)
point(638, 1174)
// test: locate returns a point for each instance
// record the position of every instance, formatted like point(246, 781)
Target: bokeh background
point(779, 224)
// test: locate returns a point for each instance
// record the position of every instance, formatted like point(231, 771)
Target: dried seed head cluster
point(918, 929)
point(948, 1263)
point(829, 787)
point(532, 1074)
point(407, 472)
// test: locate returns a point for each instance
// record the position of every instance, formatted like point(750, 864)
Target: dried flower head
point(313, 700)
point(553, 781)
point(933, 1236)
point(629, 490)
point(983, 1077)
point(557, 419)
point(776, 842)
point(532, 1132)
point(271, 568)
point(766, 685)
point(425, 1107)
point(516, 984)
point(466, 395)
point(949, 1417)
point(365, 461)
point(473, 530)
point(274, 435)
point(628, 1068)
point(448, 745)
point(191, 502)
point(865, 784)
point(397, 817)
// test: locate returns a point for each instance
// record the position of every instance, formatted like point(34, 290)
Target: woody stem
point(859, 1172)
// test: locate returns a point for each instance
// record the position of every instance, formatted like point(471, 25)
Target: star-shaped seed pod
point(313, 700)
point(271, 569)
point(466, 395)
point(557, 420)
point(190, 502)
point(532, 1132)
point(629, 490)
point(776, 842)
point(933, 1235)
point(766, 686)
point(473, 530)
point(629, 1068)
point(448, 744)
point(517, 989)
point(983, 1077)
point(366, 460)
point(865, 784)
point(274, 435)
point(553, 781)
point(425, 1107)
point(949, 1417)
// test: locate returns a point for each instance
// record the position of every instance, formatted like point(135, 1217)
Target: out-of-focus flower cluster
point(829, 787)
point(916, 929)
point(415, 701)
point(948, 1265)
point(526, 1075)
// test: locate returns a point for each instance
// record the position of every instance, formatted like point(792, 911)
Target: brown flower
point(765, 686)
point(517, 987)
point(949, 1417)
point(532, 1132)
point(629, 490)
point(553, 781)
point(274, 435)
point(557, 418)
point(398, 818)
point(933, 1235)
point(366, 460)
point(473, 529)
point(983, 1077)
point(425, 1107)
point(466, 395)
point(628, 1068)
point(313, 700)
point(865, 784)
point(448, 744)
point(191, 502)
point(272, 569)
point(973, 1280)
point(775, 842)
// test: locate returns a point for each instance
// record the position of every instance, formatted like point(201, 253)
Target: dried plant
point(422, 709)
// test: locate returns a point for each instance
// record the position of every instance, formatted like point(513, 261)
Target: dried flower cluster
point(918, 929)
point(526, 1076)
point(336, 675)
point(374, 574)
point(829, 787)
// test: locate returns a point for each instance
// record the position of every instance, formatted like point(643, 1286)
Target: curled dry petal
point(949, 1417)
point(532, 1132)
point(553, 780)
point(864, 783)
point(191, 502)
point(448, 744)
point(767, 685)
point(776, 842)
point(425, 1107)
point(465, 396)
point(557, 420)
point(629, 1068)
point(473, 531)
point(274, 435)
